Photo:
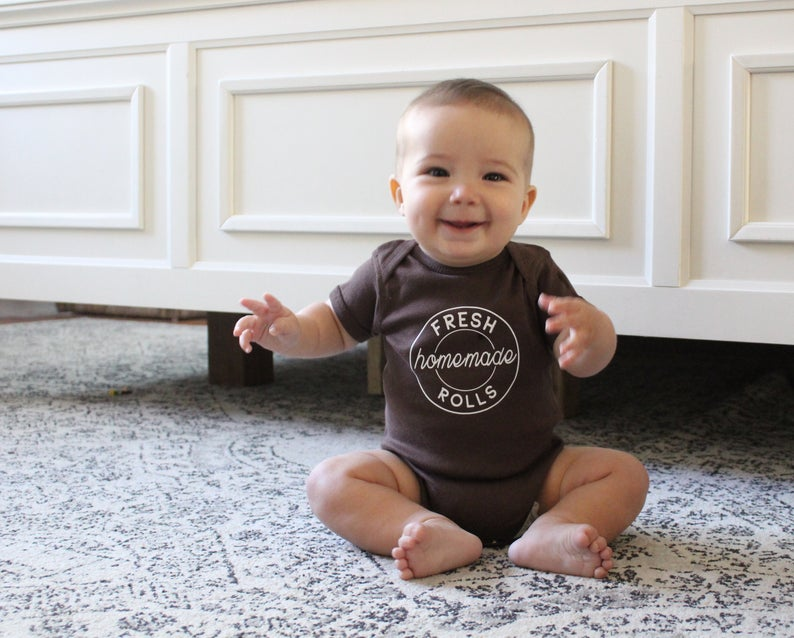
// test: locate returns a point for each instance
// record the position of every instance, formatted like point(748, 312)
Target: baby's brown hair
point(477, 93)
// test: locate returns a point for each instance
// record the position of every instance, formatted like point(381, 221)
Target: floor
point(11, 311)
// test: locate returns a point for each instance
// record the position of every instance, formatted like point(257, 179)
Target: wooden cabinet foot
point(228, 365)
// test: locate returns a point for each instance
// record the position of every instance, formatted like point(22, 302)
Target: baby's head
point(469, 92)
point(462, 180)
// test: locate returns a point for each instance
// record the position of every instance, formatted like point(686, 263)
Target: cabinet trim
point(741, 227)
point(597, 226)
point(133, 217)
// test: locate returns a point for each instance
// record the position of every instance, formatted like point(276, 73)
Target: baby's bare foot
point(433, 546)
point(563, 548)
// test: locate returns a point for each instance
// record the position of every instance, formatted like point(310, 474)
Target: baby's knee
point(639, 471)
point(328, 483)
point(323, 481)
point(635, 475)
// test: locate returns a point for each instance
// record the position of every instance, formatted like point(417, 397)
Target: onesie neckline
point(436, 266)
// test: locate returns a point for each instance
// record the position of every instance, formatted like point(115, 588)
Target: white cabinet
point(743, 191)
point(191, 156)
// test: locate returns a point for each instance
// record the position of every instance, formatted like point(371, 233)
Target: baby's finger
point(566, 359)
point(567, 350)
point(273, 304)
point(545, 301)
point(245, 341)
point(556, 323)
point(554, 306)
point(241, 325)
point(257, 306)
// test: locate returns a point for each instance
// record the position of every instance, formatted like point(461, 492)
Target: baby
point(472, 323)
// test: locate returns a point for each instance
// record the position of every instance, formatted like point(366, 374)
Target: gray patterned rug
point(176, 508)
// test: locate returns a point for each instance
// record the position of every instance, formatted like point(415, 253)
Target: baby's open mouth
point(461, 225)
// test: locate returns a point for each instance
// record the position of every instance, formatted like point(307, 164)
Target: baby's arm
point(315, 331)
point(586, 339)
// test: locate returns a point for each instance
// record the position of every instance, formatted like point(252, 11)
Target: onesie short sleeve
point(541, 275)
point(355, 300)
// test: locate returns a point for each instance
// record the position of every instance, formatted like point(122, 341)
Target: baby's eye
point(437, 171)
point(494, 177)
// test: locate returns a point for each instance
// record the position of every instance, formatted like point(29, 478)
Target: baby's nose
point(464, 194)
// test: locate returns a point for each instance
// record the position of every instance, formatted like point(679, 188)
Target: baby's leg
point(372, 500)
point(589, 497)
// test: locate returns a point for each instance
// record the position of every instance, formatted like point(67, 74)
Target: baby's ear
point(529, 199)
point(396, 191)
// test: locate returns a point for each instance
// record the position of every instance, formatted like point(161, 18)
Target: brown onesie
point(469, 400)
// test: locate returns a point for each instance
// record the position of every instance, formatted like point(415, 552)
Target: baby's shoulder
point(388, 256)
point(527, 252)
point(529, 258)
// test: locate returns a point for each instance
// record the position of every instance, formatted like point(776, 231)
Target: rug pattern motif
point(178, 509)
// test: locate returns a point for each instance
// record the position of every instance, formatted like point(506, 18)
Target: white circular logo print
point(465, 359)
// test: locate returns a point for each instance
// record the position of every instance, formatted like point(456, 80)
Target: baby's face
point(462, 182)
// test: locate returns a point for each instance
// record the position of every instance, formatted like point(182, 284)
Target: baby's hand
point(271, 325)
point(585, 336)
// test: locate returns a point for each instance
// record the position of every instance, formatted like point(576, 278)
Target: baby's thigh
point(374, 467)
point(577, 466)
